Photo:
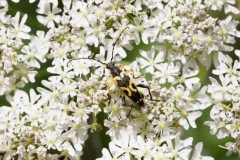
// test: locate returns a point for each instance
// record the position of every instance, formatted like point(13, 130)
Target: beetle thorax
point(115, 71)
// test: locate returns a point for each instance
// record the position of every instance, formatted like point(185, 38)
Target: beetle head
point(110, 65)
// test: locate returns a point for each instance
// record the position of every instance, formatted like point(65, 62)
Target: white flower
point(190, 69)
point(68, 88)
point(6, 146)
point(200, 101)
point(52, 93)
point(4, 83)
point(195, 40)
point(143, 28)
point(221, 91)
point(187, 115)
point(119, 42)
point(53, 118)
point(170, 14)
point(197, 153)
point(237, 51)
point(232, 127)
point(79, 111)
point(42, 40)
point(161, 26)
point(64, 143)
point(15, 1)
point(27, 102)
point(210, 42)
point(62, 69)
point(218, 126)
point(167, 72)
point(180, 148)
point(177, 36)
point(230, 6)
point(95, 33)
point(19, 28)
point(80, 14)
point(126, 35)
point(178, 93)
point(3, 11)
point(232, 147)
point(79, 40)
point(32, 53)
point(25, 72)
point(151, 60)
point(214, 4)
point(143, 148)
point(51, 139)
point(162, 152)
point(228, 67)
point(123, 149)
point(6, 38)
point(41, 152)
point(115, 111)
point(31, 1)
point(48, 14)
point(78, 133)
point(114, 128)
point(162, 125)
point(81, 67)
point(58, 51)
point(227, 29)
point(7, 115)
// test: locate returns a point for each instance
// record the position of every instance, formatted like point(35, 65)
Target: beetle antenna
point(114, 44)
point(88, 58)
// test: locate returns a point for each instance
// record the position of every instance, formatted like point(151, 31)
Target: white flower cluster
point(53, 121)
point(138, 147)
point(225, 113)
point(19, 61)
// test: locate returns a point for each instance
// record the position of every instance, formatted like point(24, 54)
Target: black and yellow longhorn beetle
point(123, 80)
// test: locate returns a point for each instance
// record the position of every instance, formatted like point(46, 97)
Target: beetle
point(122, 79)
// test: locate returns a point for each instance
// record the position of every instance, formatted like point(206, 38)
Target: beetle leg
point(129, 112)
point(145, 86)
point(136, 77)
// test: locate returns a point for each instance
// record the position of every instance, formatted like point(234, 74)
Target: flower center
point(224, 32)
point(223, 90)
point(139, 28)
point(95, 31)
point(177, 35)
point(183, 113)
point(213, 1)
point(209, 39)
point(50, 17)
